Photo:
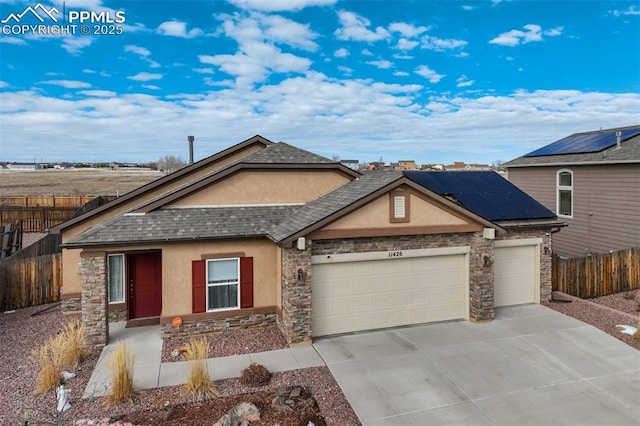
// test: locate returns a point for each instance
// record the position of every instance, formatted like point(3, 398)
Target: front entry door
point(145, 284)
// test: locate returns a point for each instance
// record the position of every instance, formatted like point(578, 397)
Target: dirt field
point(72, 182)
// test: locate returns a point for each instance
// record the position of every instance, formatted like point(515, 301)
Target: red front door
point(145, 284)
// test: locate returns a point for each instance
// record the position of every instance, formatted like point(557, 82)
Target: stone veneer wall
point(295, 318)
point(69, 305)
point(94, 297)
point(119, 314)
point(480, 272)
point(211, 325)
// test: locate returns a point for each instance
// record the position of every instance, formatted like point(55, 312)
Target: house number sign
point(396, 253)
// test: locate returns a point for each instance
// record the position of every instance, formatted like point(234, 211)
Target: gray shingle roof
point(330, 203)
point(185, 224)
point(629, 152)
point(281, 152)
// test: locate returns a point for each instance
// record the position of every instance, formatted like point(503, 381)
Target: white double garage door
point(372, 290)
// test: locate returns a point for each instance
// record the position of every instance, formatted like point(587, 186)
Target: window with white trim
point(564, 193)
point(115, 273)
point(223, 282)
point(399, 207)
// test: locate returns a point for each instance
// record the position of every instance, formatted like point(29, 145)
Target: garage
point(516, 272)
point(366, 291)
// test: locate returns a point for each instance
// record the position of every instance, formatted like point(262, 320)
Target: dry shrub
point(121, 366)
point(636, 336)
point(51, 357)
point(198, 381)
point(255, 375)
point(76, 350)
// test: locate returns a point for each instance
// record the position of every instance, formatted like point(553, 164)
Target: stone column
point(94, 297)
point(295, 319)
point(546, 260)
point(481, 300)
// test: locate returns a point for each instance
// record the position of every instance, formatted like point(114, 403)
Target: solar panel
point(584, 143)
point(487, 194)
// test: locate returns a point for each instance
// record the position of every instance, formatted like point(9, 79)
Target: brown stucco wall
point(267, 187)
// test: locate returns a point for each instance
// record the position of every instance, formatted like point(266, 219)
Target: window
point(564, 202)
point(115, 272)
point(221, 284)
point(223, 280)
point(398, 207)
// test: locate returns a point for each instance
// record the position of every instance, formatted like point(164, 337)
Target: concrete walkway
point(150, 372)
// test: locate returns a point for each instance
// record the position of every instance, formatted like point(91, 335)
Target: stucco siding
point(72, 282)
point(606, 205)
point(266, 187)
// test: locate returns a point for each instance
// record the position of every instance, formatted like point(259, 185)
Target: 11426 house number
point(396, 253)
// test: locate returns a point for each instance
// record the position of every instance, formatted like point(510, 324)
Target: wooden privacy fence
point(32, 276)
point(597, 275)
point(46, 201)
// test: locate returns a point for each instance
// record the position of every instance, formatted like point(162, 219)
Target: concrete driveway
point(530, 366)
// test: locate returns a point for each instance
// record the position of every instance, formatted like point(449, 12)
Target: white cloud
point(282, 30)
point(258, 56)
point(462, 55)
point(13, 40)
point(105, 74)
point(399, 56)
point(98, 93)
point(407, 30)
point(404, 44)
point(178, 29)
point(279, 5)
point(463, 81)
point(138, 50)
point(68, 84)
point(204, 70)
point(366, 52)
point(345, 70)
point(341, 53)
point(440, 44)
point(89, 71)
point(350, 118)
point(355, 27)
point(532, 33)
point(145, 76)
point(3, 84)
point(429, 74)
point(381, 64)
point(467, 7)
point(631, 10)
point(400, 73)
point(151, 87)
point(74, 45)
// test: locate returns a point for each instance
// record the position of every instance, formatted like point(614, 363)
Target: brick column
point(94, 297)
point(481, 299)
point(295, 319)
point(546, 279)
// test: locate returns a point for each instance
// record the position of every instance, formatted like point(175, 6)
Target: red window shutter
point(199, 286)
point(246, 282)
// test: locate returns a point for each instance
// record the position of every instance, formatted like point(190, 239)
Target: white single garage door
point(516, 272)
point(365, 291)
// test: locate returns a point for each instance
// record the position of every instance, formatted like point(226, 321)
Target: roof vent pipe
point(190, 139)
point(618, 134)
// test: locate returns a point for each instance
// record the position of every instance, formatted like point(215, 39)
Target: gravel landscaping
point(25, 330)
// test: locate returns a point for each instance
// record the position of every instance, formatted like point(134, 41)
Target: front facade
point(282, 236)
point(595, 191)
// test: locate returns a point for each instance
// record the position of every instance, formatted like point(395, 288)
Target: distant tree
point(170, 163)
point(335, 158)
point(497, 165)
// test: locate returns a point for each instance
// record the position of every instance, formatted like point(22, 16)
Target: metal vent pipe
point(190, 139)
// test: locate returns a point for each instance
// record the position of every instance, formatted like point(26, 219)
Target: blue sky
point(434, 81)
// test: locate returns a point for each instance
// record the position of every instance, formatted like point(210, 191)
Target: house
point(592, 181)
point(352, 164)
point(266, 233)
point(407, 165)
point(461, 165)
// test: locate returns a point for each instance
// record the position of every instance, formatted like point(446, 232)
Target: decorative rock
point(295, 392)
point(175, 353)
point(289, 402)
point(243, 412)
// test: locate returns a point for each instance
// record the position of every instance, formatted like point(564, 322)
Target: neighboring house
point(265, 233)
point(407, 165)
point(461, 165)
point(352, 164)
point(592, 181)
point(27, 167)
